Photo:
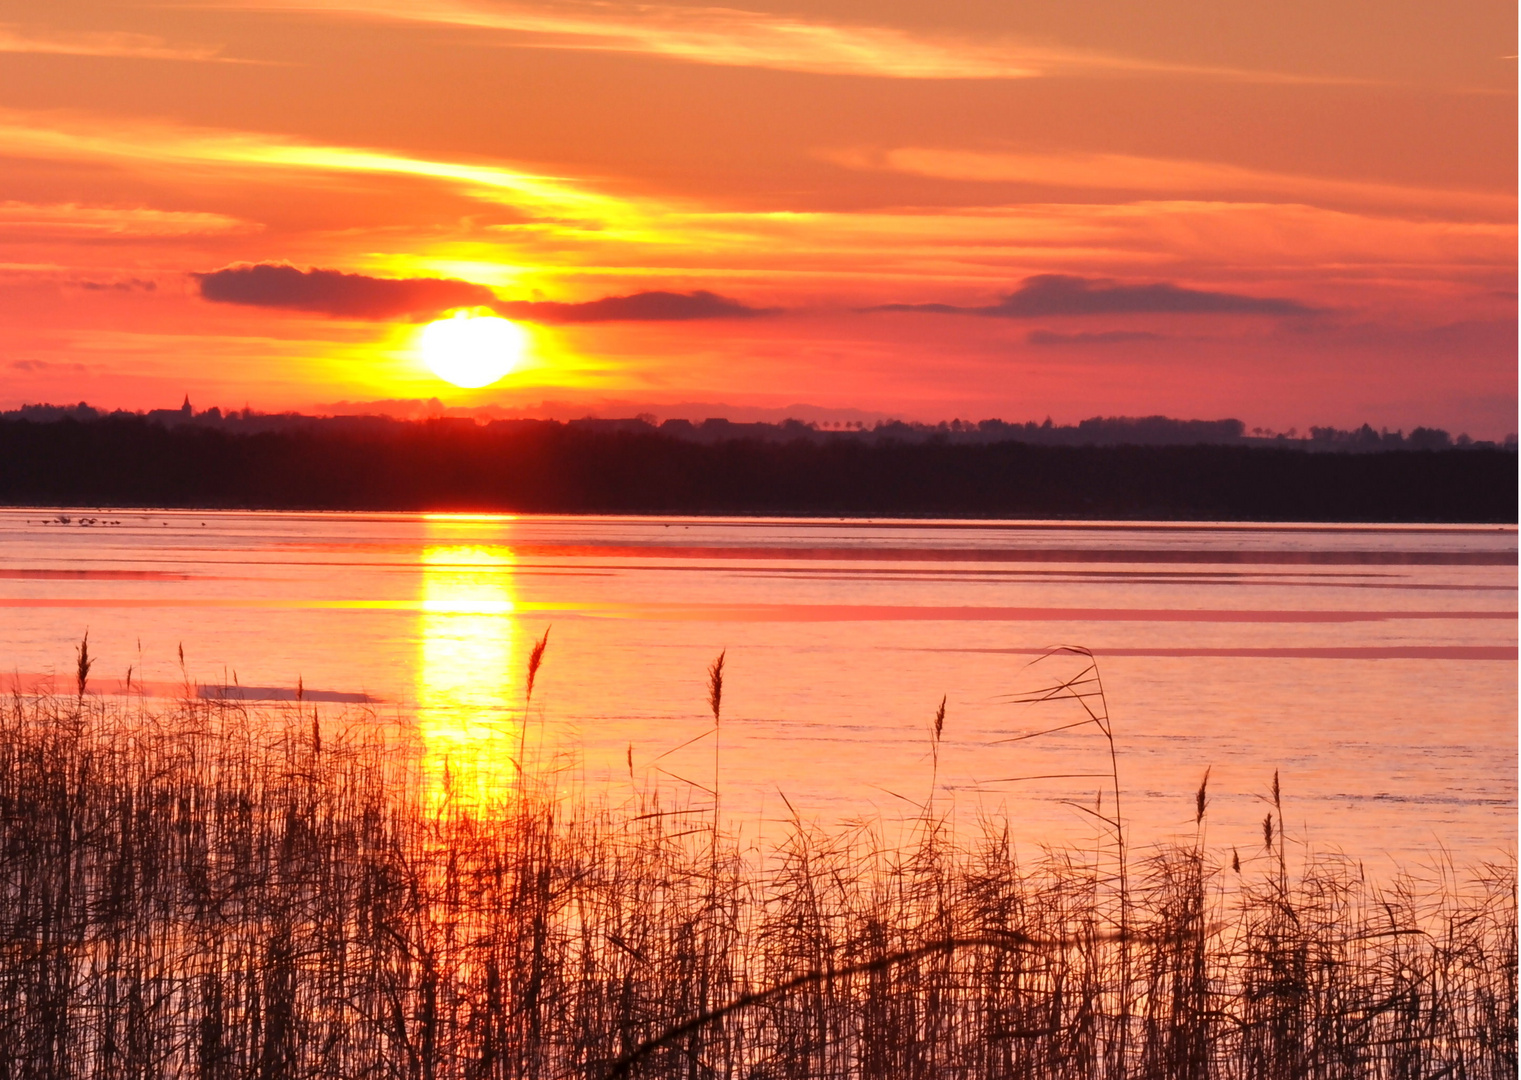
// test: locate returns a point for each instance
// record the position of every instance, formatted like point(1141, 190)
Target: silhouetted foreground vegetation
point(543, 466)
point(204, 892)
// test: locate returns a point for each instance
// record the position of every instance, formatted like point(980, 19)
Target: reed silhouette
point(204, 889)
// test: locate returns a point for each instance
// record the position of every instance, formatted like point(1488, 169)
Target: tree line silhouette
point(544, 466)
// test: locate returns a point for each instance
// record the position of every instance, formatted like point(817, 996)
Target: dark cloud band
point(1050, 295)
point(358, 296)
point(636, 307)
point(331, 292)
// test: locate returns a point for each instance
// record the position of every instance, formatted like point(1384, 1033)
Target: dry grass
point(212, 893)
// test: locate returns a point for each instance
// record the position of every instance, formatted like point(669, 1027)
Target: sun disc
point(470, 350)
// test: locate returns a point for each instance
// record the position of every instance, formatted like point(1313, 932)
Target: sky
point(1294, 214)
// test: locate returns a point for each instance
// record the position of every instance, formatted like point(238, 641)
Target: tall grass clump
point(209, 891)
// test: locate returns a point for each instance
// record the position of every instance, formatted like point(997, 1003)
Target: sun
point(472, 350)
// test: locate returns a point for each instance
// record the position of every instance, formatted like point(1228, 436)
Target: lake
point(1374, 667)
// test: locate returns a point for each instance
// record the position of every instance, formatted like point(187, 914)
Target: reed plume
point(82, 664)
point(535, 658)
point(716, 685)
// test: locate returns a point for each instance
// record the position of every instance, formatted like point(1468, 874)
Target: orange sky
point(1297, 213)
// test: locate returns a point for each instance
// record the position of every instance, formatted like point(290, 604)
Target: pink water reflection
point(1376, 668)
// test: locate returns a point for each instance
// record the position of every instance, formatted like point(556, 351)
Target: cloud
point(13, 39)
point(168, 146)
point(358, 296)
point(44, 365)
point(331, 292)
point(734, 37)
point(73, 221)
point(1048, 295)
point(653, 306)
point(146, 285)
point(1104, 337)
point(720, 36)
point(954, 244)
point(1169, 177)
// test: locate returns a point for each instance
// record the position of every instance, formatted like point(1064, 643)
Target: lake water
point(1374, 667)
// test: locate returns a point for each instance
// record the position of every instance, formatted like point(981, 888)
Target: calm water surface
point(1374, 667)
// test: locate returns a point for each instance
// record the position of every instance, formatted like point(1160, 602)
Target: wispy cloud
point(70, 220)
point(43, 366)
point(83, 138)
point(573, 230)
point(739, 38)
point(121, 44)
point(1176, 178)
point(120, 285)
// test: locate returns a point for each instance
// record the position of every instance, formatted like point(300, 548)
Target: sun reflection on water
point(468, 695)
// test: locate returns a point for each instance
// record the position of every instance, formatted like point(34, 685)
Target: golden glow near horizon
point(469, 710)
point(471, 350)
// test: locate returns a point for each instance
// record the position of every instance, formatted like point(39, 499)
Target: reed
point(212, 891)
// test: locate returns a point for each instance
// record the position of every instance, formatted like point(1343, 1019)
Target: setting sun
point(472, 350)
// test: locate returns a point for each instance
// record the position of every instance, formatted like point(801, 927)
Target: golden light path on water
point(469, 693)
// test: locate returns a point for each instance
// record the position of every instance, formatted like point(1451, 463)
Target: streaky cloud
point(735, 37)
point(158, 145)
point(1048, 295)
point(1175, 179)
point(115, 44)
point(71, 220)
point(652, 306)
point(574, 214)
